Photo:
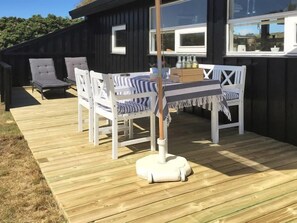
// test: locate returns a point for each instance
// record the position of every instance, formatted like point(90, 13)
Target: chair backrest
point(83, 84)
point(229, 76)
point(103, 90)
point(42, 69)
point(75, 62)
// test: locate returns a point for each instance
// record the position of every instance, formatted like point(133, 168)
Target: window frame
point(291, 27)
point(257, 19)
point(177, 29)
point(190, 49)
point(114, 48)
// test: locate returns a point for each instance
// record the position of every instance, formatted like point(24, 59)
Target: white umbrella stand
point(162, 167)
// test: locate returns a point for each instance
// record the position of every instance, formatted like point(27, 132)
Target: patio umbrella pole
point(163, 166)
point(161, 141)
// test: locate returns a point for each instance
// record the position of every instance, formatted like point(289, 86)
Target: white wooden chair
point(116, 107)
point(85, 99)
point(232, 79)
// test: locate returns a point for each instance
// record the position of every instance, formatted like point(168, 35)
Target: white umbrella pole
point(161, 140)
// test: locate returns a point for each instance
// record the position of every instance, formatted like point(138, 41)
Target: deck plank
point(243, 178)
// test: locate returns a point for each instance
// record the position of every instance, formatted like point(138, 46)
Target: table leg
point(215, 122)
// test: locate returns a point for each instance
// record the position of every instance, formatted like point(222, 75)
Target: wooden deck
point(247, 178)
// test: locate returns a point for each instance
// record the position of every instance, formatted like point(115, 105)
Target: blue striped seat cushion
point(127, 107)
point(229, 95)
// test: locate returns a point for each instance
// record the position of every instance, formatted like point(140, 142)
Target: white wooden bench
point(232, 79)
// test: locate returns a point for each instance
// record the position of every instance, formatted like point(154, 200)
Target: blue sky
point(27, 8)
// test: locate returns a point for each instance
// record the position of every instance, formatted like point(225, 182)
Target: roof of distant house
point(97, 6)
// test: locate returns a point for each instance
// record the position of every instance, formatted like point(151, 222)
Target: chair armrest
point(233, 86)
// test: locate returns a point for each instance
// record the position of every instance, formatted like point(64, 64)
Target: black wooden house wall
point(76, 40)
point(270, 93)
point(136, 18)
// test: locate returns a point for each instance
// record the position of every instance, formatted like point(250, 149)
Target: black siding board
point(210, 32)
point(276, 98)
point(135, 40)
point(248, 100)
point(260, 98)
point(219, 31)
point(291, 105)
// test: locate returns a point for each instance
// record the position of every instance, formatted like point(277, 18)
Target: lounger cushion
point(51, 83)
point(42, 69)
point(72, 62)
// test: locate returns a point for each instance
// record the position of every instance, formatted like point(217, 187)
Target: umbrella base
point(175, 168)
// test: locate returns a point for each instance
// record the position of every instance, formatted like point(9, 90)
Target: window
point(119, 39)
point(191, 40)
point(249, 8)
point(183, 27)
point(262, 27)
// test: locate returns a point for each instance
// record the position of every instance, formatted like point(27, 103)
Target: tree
point(17, 30)
point(84, 2)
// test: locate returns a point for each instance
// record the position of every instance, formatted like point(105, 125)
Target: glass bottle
point(195, 63)
point(179, 63)
point(188, 62)
point(184, 62)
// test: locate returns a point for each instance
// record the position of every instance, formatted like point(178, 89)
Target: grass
point(24, 193)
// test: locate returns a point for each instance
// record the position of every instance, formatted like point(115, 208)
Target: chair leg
point(153, 131)
point(79, 118)
point(91, 125)
point(42, 96)
point(241, 118)
point(114, 138)
point(126, 123)
point(131, 133)
point(96, 129)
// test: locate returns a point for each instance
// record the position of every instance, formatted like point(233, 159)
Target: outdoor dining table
point(207, 94)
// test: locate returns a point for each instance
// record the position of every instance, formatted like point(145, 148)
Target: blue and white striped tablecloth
point(178, 95)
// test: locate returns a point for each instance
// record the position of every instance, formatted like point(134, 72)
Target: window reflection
point(183, 26)
point(248, 8)
point(167, 41)
point(192, 39)
point(262, 36)
point(181, 13)
point(120, 38)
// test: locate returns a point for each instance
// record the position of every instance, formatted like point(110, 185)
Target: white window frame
point(114, 48)
point(290, 41)
point(190, 49)
point(290, 35)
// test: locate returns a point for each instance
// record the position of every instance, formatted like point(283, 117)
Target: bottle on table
point(194, 63)
point(179, 62)
point(184, 62)
point(188, 62)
